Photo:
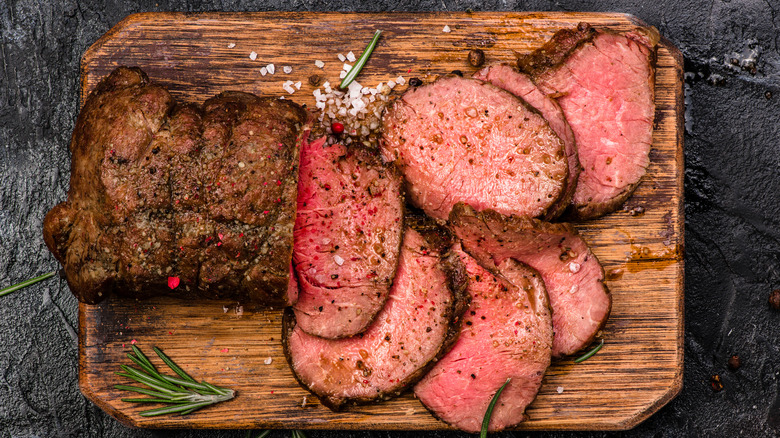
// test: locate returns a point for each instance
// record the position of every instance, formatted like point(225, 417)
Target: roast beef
point(463, 140)
point(572, 274)
point(347, 238)
point(506, 333)
point(183, 200)
point(604, 81)
point(417, 325)
point(508, 78)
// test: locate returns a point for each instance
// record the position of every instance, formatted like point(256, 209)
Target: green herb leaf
point(589, 354)
point(185, 394)
point(355, 70)
point(489, 412)
point(25, 283)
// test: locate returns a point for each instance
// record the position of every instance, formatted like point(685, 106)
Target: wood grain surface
point(199, 55)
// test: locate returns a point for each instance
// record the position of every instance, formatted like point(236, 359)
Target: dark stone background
point(732, 200)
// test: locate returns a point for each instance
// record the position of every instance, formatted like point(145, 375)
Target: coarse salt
point(391, 84)
point(287, 69)
point(263, 71)
point(268, 361)
point(339, 261)
point(559, 389)
point(231, 45)
point(574, 267)
point(446, 29)
point(346, 67)
point(343, 74)
point(342, 58)
point(253, 56)
point(298, 85)
point(271, 68)
point(400, 80)
point(319, 63)
point(351, 56)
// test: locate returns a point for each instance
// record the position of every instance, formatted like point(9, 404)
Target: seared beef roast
point(604, 81)
point(417, 325)
point(506, 332)
point(572, 274)
point(508, 78)
point(182, 200)
point(462, 140)
point(347, 238)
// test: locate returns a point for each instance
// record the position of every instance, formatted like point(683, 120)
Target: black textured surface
point(732, 206)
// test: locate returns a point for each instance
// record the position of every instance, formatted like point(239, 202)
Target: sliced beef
point(604, 81)
point(506, 333)
point(201, 194)
point(508, 78)
point(571, 272)
point(462, 140)
point(347, 238)
point(417, 325)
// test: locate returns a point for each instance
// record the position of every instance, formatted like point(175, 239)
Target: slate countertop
point(732, 207)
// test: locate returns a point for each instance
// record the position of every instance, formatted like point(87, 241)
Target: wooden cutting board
point(198, 55)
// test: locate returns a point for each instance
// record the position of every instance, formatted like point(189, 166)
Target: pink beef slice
point(506, 333)
point(604, 81)
point(463, 140)
point(571, 272)
point(508, 78)
point(418, 324)
point(347, 238)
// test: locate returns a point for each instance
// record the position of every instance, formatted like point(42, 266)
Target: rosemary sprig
point(355, 70)
point(589, 354)
point(185, 394)
point(486, 421)
point(26, 283)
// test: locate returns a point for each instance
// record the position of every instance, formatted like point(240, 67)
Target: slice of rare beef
point(417, 325)
point(571, 272)
point(347, 238)
point(604, 81)
point(463, 140)
point(180, 200)
point(506, 333)
point(507, 78)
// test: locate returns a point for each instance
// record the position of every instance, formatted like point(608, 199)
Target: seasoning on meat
point(506, 332)
point(417, 325)
point(158, 191)
point(571, 273)
point(604, 81)
point(347, 238)
point(462, 140)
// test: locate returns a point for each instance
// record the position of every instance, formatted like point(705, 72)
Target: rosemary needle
point(489, 412)
point(589, 354)
point(355, 70)
point(25, 283)
point(183, 393)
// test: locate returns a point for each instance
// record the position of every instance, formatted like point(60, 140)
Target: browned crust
point(556, 50)
point(457, 282)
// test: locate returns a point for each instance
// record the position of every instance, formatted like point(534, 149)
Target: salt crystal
point(271, 68)
point(319, 63)
point(231, 45)
point(446, 29)
point(351, 56)
point(560, 390)
point(346, 67)
point(298, 85)
point(224, 309)
point(391, 84)
point(287, 69)
point(342, 58)
point(343, 74)
point(320, 105)
point(239, 310)
point(263, 71)
point(400, 80)
point(268, 361)
point(339, 261)
point(574, 267)
point(253, 56)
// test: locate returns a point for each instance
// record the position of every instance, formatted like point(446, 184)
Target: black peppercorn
point(476, 57)
point(315, 80)
point(734, 363)
point(457, 73)
point(415, 82)
point(774, 299)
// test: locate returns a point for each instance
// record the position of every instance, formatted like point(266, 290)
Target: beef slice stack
point(187, 200)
